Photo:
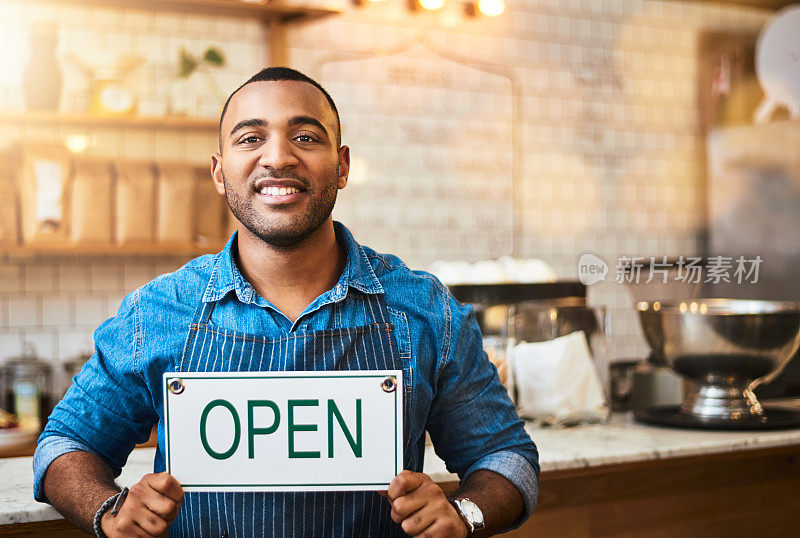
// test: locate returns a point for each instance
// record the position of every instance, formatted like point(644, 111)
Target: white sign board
point(284, 431)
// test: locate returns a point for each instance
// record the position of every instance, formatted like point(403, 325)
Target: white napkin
point(557, 382)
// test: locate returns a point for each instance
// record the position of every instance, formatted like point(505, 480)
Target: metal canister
point(28, 390)
point(3, 389)
point(533, 312)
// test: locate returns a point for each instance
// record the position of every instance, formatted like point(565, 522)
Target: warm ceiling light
point(431, 4)
point(77, 143)
point(491, 8)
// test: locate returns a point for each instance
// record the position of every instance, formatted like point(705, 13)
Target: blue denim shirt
point(456, 393)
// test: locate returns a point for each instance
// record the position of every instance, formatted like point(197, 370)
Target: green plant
point(188, 64)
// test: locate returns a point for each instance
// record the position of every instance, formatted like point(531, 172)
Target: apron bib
point(245, 514)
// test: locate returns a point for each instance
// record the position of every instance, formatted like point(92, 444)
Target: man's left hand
point(421, 508)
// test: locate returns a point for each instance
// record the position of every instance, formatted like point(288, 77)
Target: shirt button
point(224, 534)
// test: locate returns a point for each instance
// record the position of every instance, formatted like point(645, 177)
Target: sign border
point(167, 376)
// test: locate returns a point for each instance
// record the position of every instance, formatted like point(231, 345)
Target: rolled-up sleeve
point(473, 423)
point(108, 407)
point(47, 451)
point(519, 471)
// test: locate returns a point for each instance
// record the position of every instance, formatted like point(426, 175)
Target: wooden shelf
point(86, 120)
point(273, 11)
point(761, 4)
point(151, 250)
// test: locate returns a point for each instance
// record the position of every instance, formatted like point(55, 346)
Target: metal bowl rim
point(566, 306)
point(721, 307)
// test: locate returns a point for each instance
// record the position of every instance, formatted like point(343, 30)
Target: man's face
point(279, 166)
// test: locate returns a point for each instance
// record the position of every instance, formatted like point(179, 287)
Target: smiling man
point(289, 283)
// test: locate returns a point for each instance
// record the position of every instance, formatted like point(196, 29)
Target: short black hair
point(276, 73)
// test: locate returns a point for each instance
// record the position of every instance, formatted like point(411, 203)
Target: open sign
point(283, 431)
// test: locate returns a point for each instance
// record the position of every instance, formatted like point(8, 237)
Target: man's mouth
point(274, 195)
point(278, 191)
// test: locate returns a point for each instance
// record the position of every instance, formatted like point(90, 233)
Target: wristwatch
point(470, 513)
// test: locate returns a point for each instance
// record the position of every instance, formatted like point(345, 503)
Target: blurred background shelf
point(86, 120)
point(268, 12)
point(140, 250)
point(763, 4)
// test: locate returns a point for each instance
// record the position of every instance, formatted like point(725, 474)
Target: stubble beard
point(284, 232)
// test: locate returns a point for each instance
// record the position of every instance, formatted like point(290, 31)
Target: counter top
point(621, 440)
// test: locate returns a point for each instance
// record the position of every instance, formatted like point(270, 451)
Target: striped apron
point(243, 514)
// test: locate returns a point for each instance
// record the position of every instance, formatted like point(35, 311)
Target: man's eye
point(251, 139)
point(305, 138)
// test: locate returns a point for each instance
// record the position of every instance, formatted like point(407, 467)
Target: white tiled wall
point(55, 306)
point(609, 156)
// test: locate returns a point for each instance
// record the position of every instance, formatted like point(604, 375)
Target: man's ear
point(216, 172)
point(344, 166)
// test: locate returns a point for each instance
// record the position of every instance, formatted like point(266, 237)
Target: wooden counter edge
point(706, 490)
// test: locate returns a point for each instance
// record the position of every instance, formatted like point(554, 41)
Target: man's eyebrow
point(295, 121)
point(308, 120)
point(255, 122)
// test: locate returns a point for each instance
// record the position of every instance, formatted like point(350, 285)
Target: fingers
point(410, 491)
point(165, 483)
point(129, 521)
point(419, 521)
point(405, 482)
point(136, 515)
point(442, 527)
point(421, 507)
point(408, 504)
point(162, 494)
point(150, 525)
point(151, 505)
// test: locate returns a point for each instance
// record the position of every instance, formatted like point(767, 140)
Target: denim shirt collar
point(358, 273)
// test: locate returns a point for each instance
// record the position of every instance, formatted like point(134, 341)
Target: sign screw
point(389, 384)
point(176, 386)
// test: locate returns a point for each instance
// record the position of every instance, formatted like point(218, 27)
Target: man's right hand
point(148, 510)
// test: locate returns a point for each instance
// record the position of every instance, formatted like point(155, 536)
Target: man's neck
point(292, 278)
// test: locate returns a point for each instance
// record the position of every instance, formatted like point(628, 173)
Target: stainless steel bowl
point(725, 347)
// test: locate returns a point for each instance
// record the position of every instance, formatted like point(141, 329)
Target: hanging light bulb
point(491, 8)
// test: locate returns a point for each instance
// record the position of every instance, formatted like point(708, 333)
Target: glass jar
point(3, 390)
point(28, 390)
point(495, 348)
point(540, 321)
point(535, 312)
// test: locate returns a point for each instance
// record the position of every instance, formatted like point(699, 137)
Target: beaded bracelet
point(99, 515)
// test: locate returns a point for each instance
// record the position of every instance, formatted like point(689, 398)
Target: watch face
point(472, 512)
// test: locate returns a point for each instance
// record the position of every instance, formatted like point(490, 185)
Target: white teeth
point(278, 191)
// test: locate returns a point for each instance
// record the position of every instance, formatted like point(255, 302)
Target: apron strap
point(205, 313)
point(202, 313)
point(378, 308)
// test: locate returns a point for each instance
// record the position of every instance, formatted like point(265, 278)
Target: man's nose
point(277, 152)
